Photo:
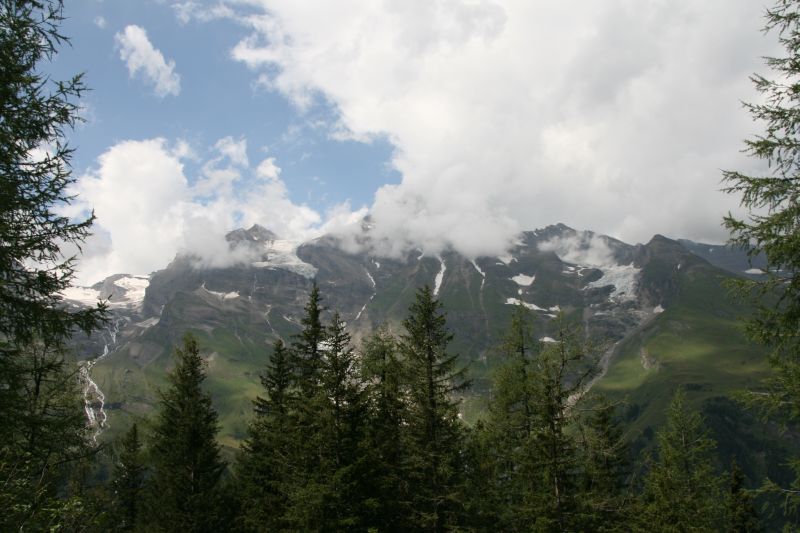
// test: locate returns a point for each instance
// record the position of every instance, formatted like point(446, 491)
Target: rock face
point(608, 286)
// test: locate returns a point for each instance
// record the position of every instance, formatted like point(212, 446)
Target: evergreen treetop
point(35, 113)
point(184, 492)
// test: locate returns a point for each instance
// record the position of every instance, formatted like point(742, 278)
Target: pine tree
point(184, 491)
point(265, 460)
point(434, 430)
point(681, 490)
point(128, 481)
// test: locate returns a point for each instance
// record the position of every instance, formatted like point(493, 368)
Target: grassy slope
point(698, 344)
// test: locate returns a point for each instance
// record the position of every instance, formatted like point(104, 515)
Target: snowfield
point(133, 286)
point(282, 254)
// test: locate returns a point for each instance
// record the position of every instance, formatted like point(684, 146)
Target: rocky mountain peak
point(256, 233)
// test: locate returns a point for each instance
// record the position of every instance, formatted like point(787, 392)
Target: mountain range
point(661, 309)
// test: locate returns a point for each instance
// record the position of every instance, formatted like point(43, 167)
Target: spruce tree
point(184, 491)
point(560, 373)
point(509, 425)
point(342, 432)
point(306, 345)
point(741, 515)
point(128, 481)
point(434, 430)
point(306, 489)
point(605, 464)
point(681, 489)
point(264, 464)
point(385, 440)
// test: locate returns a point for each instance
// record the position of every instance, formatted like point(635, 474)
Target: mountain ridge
point(612, 289)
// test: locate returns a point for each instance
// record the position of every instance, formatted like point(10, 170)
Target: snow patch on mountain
point(282, 254)
point(135, 287)
point(506, 259)
point(624, 279)
point(588, 250)
point(364, 307)
point(221, 295)
point(481, 272)
point(523, 281)
point(532, 307)
point(130, 296)
point(439, 278)
point(81, 295)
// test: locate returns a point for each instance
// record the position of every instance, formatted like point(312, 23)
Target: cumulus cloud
point(141, 57)
point(513, 114)
point(148, 209)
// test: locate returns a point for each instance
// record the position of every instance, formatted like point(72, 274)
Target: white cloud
point(100, 22)
point(139, 54)
point(513, 114)
point(233, 149)
point(147, 209)
point(188, 11)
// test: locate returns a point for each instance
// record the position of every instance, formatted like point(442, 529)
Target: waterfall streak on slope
point(93, 398)
point(371, 280)
point(439, 278)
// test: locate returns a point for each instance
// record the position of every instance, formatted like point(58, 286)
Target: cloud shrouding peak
point(148, 209)
point(515, 114)
point(140, 56)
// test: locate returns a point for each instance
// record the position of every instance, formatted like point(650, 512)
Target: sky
point(455, 124)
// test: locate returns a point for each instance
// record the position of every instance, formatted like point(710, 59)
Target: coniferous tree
point(772, 227)
point(434, 430)
point(41, 426)
point(505, 476)
point(385, 439)
point(342, 433)
point(606, 468)
point(306, 489)
point(43, 436)
point(184, 491)
point(306, 346)
point(560, 373)
point(128, 481)
point(741, 515)
point(265, 460)
point(681, 490)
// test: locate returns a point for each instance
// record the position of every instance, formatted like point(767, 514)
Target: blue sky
point(218, 98)
point(454, 123)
